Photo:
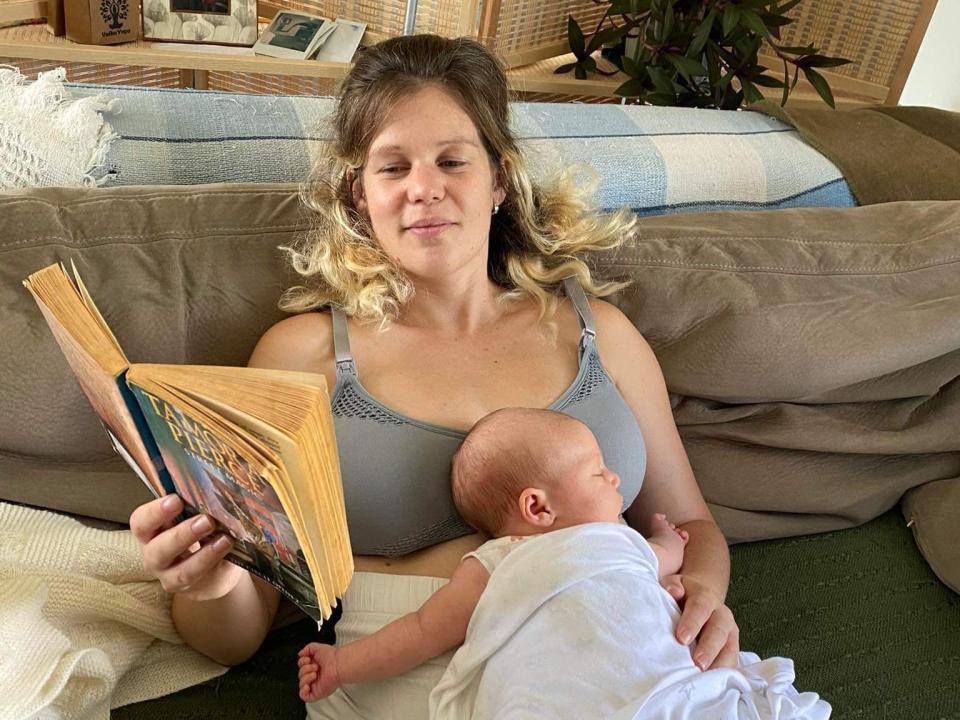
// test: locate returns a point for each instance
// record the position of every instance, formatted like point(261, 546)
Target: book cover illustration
point(213, 478)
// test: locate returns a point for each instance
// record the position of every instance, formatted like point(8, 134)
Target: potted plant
point(696, 53)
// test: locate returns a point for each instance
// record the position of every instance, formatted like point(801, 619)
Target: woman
point(437, 274)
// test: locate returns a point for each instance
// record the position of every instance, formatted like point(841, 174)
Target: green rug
point(868, 625)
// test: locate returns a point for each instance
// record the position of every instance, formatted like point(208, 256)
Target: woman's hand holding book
point(185, 557)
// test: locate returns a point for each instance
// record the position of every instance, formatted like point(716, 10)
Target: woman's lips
point(430, 230)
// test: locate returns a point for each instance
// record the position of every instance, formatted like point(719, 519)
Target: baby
point(518, 474)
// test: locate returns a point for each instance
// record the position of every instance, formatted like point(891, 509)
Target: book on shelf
point(342, 43)
point(253, 448)
point(293, 35)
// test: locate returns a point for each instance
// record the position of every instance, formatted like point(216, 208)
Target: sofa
point(810, 342)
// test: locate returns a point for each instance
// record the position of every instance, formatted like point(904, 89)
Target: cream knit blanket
point(48, 139)
point(83, 629)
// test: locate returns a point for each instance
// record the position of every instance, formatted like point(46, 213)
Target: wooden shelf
point(34, 42)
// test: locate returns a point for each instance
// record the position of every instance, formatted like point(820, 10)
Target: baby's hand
point(318, 671)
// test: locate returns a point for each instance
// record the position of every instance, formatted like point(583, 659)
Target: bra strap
point(574, 290)
point(341, 343)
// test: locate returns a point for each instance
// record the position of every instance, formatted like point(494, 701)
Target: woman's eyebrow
point(441, 143)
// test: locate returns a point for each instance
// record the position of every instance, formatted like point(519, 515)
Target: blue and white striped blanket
point(653, 160)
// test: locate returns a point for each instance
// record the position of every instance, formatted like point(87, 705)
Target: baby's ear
point(535, 508)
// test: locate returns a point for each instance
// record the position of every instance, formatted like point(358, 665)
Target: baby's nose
point(614, 479)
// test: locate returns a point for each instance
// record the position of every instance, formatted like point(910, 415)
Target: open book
point(254, 449)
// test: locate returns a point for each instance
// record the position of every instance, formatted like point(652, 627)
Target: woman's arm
point(218, 608)
point(669, 487)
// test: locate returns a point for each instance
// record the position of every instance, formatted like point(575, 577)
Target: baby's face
point(586, 490)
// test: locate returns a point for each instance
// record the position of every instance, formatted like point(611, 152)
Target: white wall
point(935, 77)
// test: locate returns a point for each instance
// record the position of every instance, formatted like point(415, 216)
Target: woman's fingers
point(151, 518)
point(164, 550)
point(185, 573)
point(720, 633)
point(696, 611)
point(729, 656)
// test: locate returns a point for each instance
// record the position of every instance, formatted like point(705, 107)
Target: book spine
point(149, 442)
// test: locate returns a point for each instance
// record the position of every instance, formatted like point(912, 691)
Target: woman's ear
point(535, 508)
point(500, 183)
point(355, 183)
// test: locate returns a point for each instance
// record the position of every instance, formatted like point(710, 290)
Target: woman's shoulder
point(621, 345)
point(301, 342)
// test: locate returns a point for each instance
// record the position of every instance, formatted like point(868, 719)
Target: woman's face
point(428, 187)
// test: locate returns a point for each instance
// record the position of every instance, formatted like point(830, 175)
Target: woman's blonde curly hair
point(535, 238)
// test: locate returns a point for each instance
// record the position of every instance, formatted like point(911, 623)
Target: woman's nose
point(424, 184)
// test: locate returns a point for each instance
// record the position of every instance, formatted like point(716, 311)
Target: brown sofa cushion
point(186, 274)
point(813, 357)
point(813, 354)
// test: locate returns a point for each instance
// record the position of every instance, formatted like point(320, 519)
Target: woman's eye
point(390, 169)
point(453, 163)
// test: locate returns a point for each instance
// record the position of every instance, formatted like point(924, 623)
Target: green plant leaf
point(579, 72)
point(787, 7)
point(658, 98)
point(564, 68)
point(661, 81)
point(820, 85)
point(631, 67)
point(751, 20)
point(575, 37)
point(750, 92)
point(766, 81)
point(702, 34)
point(731, 18)
point(589, 64)
point(686, 66)
point(774, 21)
point(786, 86)
point(821, 61)
point(604, 37)
point(796, 50)
point(668, 19)
point(631, 88)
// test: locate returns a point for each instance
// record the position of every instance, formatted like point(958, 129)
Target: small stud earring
point(496, 209)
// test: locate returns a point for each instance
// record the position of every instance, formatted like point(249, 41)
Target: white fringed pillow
point(48, 139)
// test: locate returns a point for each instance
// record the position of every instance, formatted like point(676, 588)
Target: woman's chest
point(454, 384)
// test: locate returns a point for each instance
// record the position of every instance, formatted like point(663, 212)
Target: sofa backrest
point(813, 354)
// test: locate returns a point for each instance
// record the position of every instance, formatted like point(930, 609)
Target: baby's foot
point(666, 534)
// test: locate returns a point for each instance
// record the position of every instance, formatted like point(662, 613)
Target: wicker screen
point(524, 31)
point(450, 18)
point(95, 73)
point(270, 84)
point(873, 34)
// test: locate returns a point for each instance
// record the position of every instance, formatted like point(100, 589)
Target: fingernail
point(685, 638)
point(222, 543)
point(201, 525)
point(170, 503)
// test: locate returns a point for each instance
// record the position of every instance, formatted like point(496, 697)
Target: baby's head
point(522, 471)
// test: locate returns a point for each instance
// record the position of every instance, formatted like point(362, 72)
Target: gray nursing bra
point(396, 470)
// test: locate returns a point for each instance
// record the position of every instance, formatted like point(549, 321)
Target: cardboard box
point(102, 22)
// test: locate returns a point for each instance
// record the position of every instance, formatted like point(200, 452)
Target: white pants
point(372, 601)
